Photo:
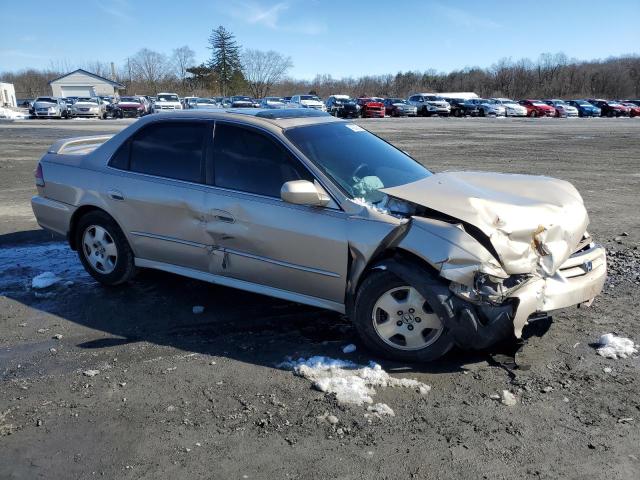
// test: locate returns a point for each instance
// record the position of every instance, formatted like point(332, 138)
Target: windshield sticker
point(355, 128)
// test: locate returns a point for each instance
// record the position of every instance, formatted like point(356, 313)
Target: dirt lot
point(180, 395)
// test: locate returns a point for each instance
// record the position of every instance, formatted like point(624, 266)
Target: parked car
point(201, 103)
point(69, 105)
point(634, 109)
point(428, 104)
point(167, 102)
point(186, 102)
point(342, 106)
point(307, 101)
point(462, 107)
point(25, 102)
point(49, 107)
point(90, 107)
point(273, 102)
point(610, 108)
point(511, 107)
point(240, 101)
point(129, 107)
point(634, 101)
point(399, 107)
point(488, 107)
point(370, 108)
point(316, 210)
point(537, 108)
point(563, 109)
point(585, 109)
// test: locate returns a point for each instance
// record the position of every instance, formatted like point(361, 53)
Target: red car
point(371, 107)
point(537, 108)
point(634, 110)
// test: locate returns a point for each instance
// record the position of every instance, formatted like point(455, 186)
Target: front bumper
point(579, 280)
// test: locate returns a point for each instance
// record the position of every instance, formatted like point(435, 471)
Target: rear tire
point(384, 331)
point(103, 249)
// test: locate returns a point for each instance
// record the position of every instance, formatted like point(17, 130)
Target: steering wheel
point(360, 167)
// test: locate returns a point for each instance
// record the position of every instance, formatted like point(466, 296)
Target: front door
point(264, 240)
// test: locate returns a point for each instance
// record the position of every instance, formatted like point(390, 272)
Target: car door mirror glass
point(303, 192)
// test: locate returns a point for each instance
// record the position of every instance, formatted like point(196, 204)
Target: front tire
point(103, 249)
point(393, 319)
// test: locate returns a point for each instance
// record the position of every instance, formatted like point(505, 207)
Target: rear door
point(264, 240)
point(156, 191)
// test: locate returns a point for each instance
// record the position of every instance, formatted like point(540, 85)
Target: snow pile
point(351, 383)
point(44, 280)
point(382, 409)
point(12, 114)
point(616, 347)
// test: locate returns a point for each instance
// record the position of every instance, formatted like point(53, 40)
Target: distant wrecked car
point(89, 107)
point(49, 107)
point(342, 106)
point(370, 107)
point(302, 206)
point(563, 109)
point(537, 108)
point(585, 109)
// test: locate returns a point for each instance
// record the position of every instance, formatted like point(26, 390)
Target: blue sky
point(341, 38)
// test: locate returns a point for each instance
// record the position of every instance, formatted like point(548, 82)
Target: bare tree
point(150, 67)
point(182, 59)
point(263, 69)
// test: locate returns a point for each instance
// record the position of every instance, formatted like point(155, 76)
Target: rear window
point(171, 150)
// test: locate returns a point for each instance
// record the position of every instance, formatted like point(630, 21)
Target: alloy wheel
point(99, 249)
point(404, 320)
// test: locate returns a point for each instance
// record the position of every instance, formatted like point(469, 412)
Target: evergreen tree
point(225, 57)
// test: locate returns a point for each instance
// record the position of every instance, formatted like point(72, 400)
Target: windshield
point(433, 98)
point(397, 100)
point(129, 99)
point(509, 102)
point(539, 104)
point(309, 97)
point(46, 99)
point(358, 161)
point(87, 100)
point(274, 99)
point(205, 101)
point(168, 98)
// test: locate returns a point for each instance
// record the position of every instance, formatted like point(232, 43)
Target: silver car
point(49, 107)
point(302, 206)
point(428, 104)
point(488, 107)
point(90, 107)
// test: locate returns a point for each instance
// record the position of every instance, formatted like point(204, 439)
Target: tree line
point(232, 70)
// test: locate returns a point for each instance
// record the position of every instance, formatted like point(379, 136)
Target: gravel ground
point(178, 394)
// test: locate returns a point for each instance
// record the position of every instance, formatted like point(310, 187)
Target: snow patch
point(615, 347)
point(351, 383)
point(20, 264)
point(44, 280)
point(382, 409)
point(12, 114)
point(349, 348)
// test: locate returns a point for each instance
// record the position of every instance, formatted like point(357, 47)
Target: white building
point(81, 83)
point(7, 95)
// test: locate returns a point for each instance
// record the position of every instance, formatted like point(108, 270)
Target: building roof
point(98, 77)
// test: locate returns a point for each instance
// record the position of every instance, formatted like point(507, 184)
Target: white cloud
point(270, 16)
point(464, 18)
point(119, 9)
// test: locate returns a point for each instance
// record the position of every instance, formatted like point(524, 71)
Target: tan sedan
point(302, 206)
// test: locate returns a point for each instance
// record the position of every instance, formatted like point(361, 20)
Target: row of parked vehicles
point(419, 104)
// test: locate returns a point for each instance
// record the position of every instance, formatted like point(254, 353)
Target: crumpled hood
point(533, 222)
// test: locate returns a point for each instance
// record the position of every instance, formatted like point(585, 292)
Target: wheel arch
point(78, 214)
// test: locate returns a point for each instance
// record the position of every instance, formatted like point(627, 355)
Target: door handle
point(116, 194)
point(223, 216)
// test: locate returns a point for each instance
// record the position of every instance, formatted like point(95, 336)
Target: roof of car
point(282, 118)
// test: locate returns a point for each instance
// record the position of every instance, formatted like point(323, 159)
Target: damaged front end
point(503, 250)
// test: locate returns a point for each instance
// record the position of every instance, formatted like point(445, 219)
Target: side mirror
point(303, 192)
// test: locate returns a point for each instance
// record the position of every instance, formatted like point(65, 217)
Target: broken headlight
point(487, 288)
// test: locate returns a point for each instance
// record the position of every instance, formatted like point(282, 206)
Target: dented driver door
point(264, 240)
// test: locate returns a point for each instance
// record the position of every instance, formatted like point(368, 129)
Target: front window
point(539, 104)
point(204, 101)
point(168, 98)
point(398, 100)
point(87, 100)
point(309, 97)
point(357, 161)
point(46, 99)
point(129, 100)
